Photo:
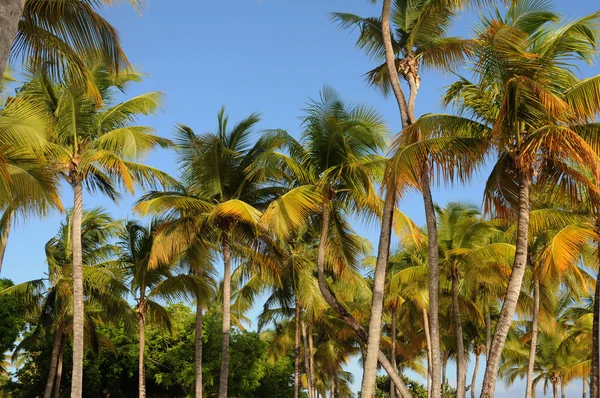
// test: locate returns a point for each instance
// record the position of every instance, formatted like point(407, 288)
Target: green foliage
point(13, 320)
point(382, 388)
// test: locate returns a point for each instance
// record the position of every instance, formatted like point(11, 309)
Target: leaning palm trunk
point(5, 225)
point(58, 337)
point(198, 349)
point(534, 334)
point(10, 15)
point(475, 370)
point(393, 350)
point(461, 367)
point(224, 376)
point(370, 363)
point(59, 368)
point(307, 366)
point(512, 293)
point(345, 315)
point(297, 350)
point(78, 321)
point(595, 371)
point(142, 344)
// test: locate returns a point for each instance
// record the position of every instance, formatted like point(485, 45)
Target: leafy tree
point(13, 318)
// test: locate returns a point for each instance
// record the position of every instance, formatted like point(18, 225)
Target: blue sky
point(268, 56)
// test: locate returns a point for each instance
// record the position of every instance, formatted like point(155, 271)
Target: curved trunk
point(5, 225)
point(78, 320)
point(461, 366)
point(370, 363)
point(59, 368)
point(393, 351)
point(198, 349)
point(534, 334)
point(141, 367)
point(224, 375)
point(10, 14)
point(307, 355)
point(428, 341)
point(297, 351)
point(594, 374)
point(512, 293)
point(56, 347)
point(474, 379)
point(343, 312)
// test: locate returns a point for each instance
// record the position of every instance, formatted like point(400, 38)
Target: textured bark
point(343, 312)
point(428, 341)
point(461, 366)
point(58, 337)
point(555, 389)
point(307, 355)
point(142, 346)
point(297, 351)
point(198, 387)
point(370, 363)
point(224, 375)
point(311, 355)
point(595, 371)
point(534, 334)
point(6, 222)
point(59, 368)
point(10, 14)
point(488, 332)
point(393, 350)
point(474, 378)
point(78, 321)
point(512, 293)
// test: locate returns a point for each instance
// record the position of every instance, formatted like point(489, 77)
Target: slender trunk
point(428, 341)
point(10, 14)
point(584, 387)
point(512, 293)
point(332, 386)
point(444, 368)
point(198, 351)
point(595, 371)
point(555, 389)
point(224, 376)
point(562, 389)
point(141, 366)
point(370, 364)
point(311, 354)
point(461, 364)
point(474, 379)
point(393, 350)
point(58, 337)
point(488, 332)
point(343, 312)
point(307, 355)
point(78, 304)
point(59, 368)
point(534, 334)
point(5, 226)
point(297, 351)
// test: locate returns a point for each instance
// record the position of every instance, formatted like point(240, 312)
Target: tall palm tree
point(149, 285)
point(96, 147)
point(526, 94)
point(61, 33)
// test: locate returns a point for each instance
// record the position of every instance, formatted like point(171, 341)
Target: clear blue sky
point(252, 55)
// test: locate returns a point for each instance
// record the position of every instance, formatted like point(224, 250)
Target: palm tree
point(95, 147)
point(149, 284)
point(62, 34)
point(526, 94)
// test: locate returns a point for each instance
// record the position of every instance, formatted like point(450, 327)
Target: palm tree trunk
point(444, 369)
point(58, 337)
point(595, 371)
point(78, 304)
point(198, 349)
point(584, 388)
point(59, 368)
point(512, 293)
point(311, 354)
point(393, 350)
point(461, 366)
point(332, 386)
point(309, 381)
point(488, 332)
point(562, 389)
point(474, 378)
point(555, 389)
point(142, 345)
point(428, 341)
point(343, 312)
point(10, 14)
point(297, 351)
point(5, 226)
point(534, 334)
point(224, 376)
point(370, 363)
